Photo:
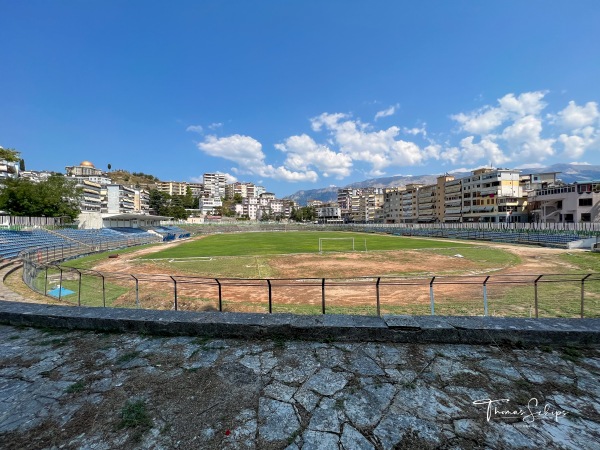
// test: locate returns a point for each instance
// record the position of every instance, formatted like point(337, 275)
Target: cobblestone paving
point(86, 390)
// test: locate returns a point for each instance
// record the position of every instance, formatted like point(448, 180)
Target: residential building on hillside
point(9, 169)
point(209, 205)
point(578, 202)
point(84, 169)
point(141, 202)
point(214, 184)
point(370, 206)
point(35, 176)
point(196, 188)
point(243, 189)
point(172, 187)
point(119, 199)
point(91, 200)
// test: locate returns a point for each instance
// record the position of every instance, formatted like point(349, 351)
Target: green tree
point(22, 165)
point(55, 197)
point(9, 154)
point(159, 202)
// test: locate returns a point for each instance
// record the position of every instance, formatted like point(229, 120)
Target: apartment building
point(243, 189)
point(493, 195)
point(440, 198)
point(35, 176)
point(453, 199)
point(91, 200)
point(329, 213)
point(578, 202)
point(409, 203)
point(392, 205)
point(119, 199)
point(209, 205)
point(214, 184)
point(426, 204)
point(172, 187)
point(141, 202)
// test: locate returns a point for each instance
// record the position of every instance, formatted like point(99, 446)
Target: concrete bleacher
point(13, 242)
point(545, 238)
point(171, 232)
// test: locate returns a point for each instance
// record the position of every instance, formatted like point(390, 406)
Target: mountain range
point(568, 173)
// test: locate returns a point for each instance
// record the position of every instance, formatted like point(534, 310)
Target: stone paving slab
point(92, 390)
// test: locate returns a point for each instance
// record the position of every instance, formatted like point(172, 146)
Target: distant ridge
point(569, 173)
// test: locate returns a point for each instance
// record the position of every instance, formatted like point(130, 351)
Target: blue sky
point(300, 94)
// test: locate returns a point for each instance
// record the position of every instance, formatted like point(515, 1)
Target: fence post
point(220, 296)
point(323, 296)
point(79, 289)
point(60, 284)
point(431, 296)
point(582, 291)
point(270, 297)
point(377, 290)
point(103, 291)
point(535, 300)
point(175, 292)
point(137, 291)
point(485, 300)
point(46, 282)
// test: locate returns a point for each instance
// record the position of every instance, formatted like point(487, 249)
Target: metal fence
point(543, 295)
point(547, 295)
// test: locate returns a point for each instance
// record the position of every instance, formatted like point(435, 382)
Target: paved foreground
point(61, 389)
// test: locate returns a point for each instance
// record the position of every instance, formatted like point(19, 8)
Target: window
point(586, 217)
point(585, 202)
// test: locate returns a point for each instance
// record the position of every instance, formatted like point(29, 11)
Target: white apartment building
point(209, 205)
point(578, 202)
point(91, 200)
point(243, 189)
point(409, 203)
point(214, 184)
point(35, 176)
point(119, 199)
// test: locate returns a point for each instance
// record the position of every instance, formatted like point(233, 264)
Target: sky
point(300, 94)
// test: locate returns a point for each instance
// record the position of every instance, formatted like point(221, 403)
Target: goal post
point(336, 248)
point(351, 244)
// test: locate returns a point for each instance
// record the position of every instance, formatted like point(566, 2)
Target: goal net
point(338, 245)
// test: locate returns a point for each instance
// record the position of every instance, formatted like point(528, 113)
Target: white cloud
point(215, 125)
point(387, 112)
point(530, 166)
point(487, 119)
point(577, 117)
point(357, 140)
point(524, 140)
point(247, 153)
point(195, 129)
point(302, 151)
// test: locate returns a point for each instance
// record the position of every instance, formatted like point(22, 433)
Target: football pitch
point(295, 242)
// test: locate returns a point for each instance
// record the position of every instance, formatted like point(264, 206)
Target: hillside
point(133, 179)
point(569, 173)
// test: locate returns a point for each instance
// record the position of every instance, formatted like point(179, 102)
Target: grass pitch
point(279, 243)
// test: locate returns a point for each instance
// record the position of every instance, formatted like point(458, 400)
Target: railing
point(542, 295)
